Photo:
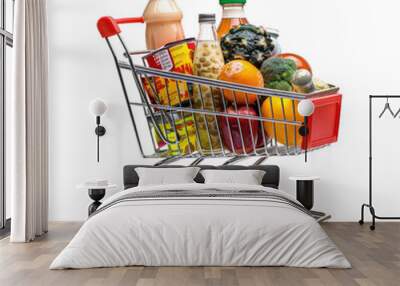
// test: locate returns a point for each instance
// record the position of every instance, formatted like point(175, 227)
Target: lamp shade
point(97, 107)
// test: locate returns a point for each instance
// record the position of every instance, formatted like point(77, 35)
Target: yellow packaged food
point(174, 57)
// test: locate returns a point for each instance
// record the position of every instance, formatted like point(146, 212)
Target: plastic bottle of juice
point(163, 23)
point(232, 15)
point(208, 62)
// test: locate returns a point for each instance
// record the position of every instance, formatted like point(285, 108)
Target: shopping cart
point(177, 131)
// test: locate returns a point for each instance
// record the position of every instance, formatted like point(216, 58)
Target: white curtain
point(27, 147)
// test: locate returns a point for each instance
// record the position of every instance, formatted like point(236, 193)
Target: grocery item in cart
point(163, 23)
point(174, 57)
point(208, 62)
point(240, 135)
point(242, 72)
point(301, 62)
point(282, 109)
point(278, 73)
point(180, 129)
point(160, 144)
point(247, 42)
point(232, 15)
point(320, 84)
point(274, 36)
point(302, 81)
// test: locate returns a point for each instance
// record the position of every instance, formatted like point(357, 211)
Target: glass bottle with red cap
point(232, 15)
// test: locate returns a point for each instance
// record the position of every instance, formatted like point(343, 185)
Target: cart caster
point(372, 227)
point(361, 222)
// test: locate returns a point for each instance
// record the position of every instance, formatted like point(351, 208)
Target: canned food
point(185, 135)
point(174, 57)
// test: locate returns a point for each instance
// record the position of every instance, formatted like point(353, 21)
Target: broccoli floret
point(278, 73)
point(280, 85)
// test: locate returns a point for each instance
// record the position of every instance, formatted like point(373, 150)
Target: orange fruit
point(242, 72)
point(282, 109)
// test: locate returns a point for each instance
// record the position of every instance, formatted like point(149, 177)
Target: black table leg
point(305, 193)
point(96, 195)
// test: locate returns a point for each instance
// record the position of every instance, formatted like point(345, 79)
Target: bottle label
point(163, 58)
point(233, 14)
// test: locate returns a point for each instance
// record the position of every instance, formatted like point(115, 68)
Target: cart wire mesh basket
point(183, 129)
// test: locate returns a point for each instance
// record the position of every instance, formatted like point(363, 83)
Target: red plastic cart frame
point(108, 26)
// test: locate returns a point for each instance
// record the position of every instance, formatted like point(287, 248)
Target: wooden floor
point(375, 257)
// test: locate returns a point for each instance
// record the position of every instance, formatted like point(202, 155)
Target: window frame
point(6, 40)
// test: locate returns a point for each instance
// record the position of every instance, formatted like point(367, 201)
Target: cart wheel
point(372, 227)
point(361, 222)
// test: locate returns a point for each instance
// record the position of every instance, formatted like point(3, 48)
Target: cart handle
point(108, 26)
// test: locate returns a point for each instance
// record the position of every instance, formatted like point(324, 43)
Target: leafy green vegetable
point(278, 73)
point(280, 85)
point(247, 42)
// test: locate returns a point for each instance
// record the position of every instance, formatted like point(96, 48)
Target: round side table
point(305, 194)
point(96, 193)
point(305, 190)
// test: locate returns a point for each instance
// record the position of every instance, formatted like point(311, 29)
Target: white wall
point(353, 44)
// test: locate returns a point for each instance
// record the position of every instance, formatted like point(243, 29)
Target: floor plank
point(375, 257)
